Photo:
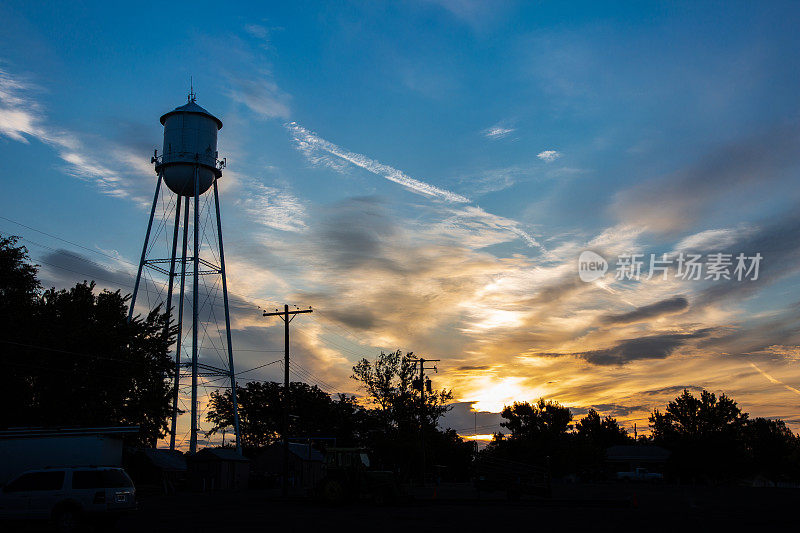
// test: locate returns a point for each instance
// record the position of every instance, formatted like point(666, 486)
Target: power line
point(67, 241)
point(46, 348)
point(84, 259)
point(258, 367)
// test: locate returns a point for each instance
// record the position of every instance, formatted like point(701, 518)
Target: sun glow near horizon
point(496, 393)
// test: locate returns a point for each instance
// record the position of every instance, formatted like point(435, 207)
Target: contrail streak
point(309, 142)
point(775, 381)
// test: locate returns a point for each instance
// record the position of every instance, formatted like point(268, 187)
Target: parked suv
point(68, 496)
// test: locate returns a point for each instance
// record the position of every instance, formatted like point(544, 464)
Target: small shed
point(163, 470)
point(305, 464)
point(218, 469)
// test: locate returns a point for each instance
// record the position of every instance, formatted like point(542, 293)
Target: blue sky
point(425, 173)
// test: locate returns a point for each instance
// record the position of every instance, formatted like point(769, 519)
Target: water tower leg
point(227, 323)
point(180, 327)
point(171, 281)
point(195, 298)
point(144, 248)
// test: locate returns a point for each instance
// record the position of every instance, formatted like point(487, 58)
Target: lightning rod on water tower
point(189, 166)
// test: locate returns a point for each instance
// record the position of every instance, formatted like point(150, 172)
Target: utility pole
point(475, 434)
point(422, 385)
point(285, 316)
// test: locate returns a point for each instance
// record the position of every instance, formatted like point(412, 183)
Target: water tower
point(189, 165)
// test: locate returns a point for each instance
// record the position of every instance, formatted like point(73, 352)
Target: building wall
point(24, 453)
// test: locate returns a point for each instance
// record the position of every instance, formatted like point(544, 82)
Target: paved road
point(589, 507)
point(602, 507)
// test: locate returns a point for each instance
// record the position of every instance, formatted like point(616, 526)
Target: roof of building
point(167, 460)
point(38, 432)
point(637, 452)
point(191, 107)
point(219, 454)
point(298, 449)
point(304, 451)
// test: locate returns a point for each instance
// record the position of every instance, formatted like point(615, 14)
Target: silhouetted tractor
point(348, 477)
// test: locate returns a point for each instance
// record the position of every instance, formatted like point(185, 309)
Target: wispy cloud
point(275, 208)
point(22, 118)
point(674, 201)
point(248, 73)
point(308, 142)
point(259, 32)
point(497, 132)
point(548, 156)
point(643, 313)
point(318, 150)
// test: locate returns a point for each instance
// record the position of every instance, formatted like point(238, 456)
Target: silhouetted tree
point(601, 432)
point(398, 414)
point(450, 453)
point(704, 434)
point(774, 450)
point(538, 435)
point(19, 294)
point(593, 436)
point(389, 381)
point(543, 418)
point(74, 357)
point(313, 413)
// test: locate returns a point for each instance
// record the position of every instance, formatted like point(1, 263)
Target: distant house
point(629, 457)
point(218, 469)
point(27, 448)
point(163, 470)
point(305, 464)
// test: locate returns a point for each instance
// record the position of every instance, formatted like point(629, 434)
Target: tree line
point(710, 439)
point(72, 358)
point(391, 419)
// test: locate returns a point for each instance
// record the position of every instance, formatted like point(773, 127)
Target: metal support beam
point(422, 415)
point(180, 327)
point(170, 283)
point(227, 323)
point(144, 247)
point(168, 310)
point(195, 310)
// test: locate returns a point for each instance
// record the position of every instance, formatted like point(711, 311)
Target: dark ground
point(457, 507)
point(450, 507)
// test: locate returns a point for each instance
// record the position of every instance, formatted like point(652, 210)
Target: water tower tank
point(190, 143)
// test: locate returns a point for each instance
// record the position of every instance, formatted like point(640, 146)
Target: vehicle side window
point(37, 481)
point(86, 479)
point(116, 479)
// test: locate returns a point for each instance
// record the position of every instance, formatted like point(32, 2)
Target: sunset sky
point(425, 174)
